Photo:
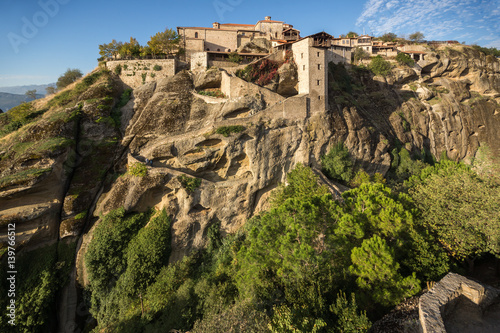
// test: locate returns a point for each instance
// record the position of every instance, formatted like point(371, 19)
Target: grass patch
point(189, 183)
point(22, 177)
point(138, 169)
point(228, 130)
point(214, 92)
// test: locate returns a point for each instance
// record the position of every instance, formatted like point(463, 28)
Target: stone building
point(312, 54)
point(228, 37)
point(363, 41)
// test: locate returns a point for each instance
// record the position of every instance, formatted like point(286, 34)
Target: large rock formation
point(61, 172)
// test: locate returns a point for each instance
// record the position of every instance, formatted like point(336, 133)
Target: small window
point(228, 50)
point(318, 81)
point(319, 66)
point(302, 56)
point(275, 35)
point(218, 50)
point(318, 54)
point(243, 34)
point(303, 67)
point(195, 35)
point(319, 97)
point(208, 49)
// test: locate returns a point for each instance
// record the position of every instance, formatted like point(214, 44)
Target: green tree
point(459, 208)
point(70, 76)
point(110, 50)
point(288, 249)
point(377, 271)
point(337, 164)
point(417, 37)
point(351, 34)
point(388, 37)
point(348, 318)
point(50, 90)
point(31, 94)
point(404, 59)
point(380, 66)
point(131, 49)
point(147, 253)
point(165, 42)
point(360, 54)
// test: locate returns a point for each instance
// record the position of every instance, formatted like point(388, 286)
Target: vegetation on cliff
point(291, 266)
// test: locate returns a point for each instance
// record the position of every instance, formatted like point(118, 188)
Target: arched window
point(208, 49)
point(195, 35)
point(228, 50)
point(218, 50)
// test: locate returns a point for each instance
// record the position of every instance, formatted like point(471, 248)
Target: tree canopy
point(417, 37)
point(461, 209)
point(70, 76)
point(164, 42)
point(388, 37)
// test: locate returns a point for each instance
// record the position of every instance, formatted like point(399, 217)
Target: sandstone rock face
point(451, 105)
point(257, 45)
point(177, 129)
point(288, 79)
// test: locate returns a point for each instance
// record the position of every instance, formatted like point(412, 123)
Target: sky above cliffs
point(40, 39)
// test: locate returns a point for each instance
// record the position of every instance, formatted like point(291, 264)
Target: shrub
point(228, 130)
point(157, 68)
point(404, 59)
point(144, 75)
point(360, 54)
point(212, 93)
point(70, 76)
point(235, 57)
point(379, 66)
point(118, 70)
point(189, 183)
point(261, 73)
point(337, 164)
point(138, 169)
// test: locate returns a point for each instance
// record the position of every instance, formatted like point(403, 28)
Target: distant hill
point(21, 90)
point(8, 101)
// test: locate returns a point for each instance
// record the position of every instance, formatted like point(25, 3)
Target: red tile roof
point(238, 25)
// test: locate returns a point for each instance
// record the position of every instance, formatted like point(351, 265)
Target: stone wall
point(337, 54)
point(199, 61)
point(439, 302)
point(233, 86)
point(134, 73)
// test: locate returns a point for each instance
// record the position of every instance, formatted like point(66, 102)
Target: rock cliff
point(68, 166)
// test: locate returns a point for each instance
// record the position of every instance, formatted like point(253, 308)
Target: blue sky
point(40, 39)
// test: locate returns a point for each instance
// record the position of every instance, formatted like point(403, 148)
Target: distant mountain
point(21, 90)
point(8, 101)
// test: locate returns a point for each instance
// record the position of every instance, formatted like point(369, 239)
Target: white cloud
point(436, 19)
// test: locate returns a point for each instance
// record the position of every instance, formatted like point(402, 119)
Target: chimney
point(216, 25)
point(268, 18)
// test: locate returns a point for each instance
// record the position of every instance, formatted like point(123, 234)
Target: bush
point(157, 68)
point(189, 183)
point(379, 66)
point(235, 57)
point(228, 130)
point(138, 169)
point(70, 76)
point(118, 70)
point(404, 59)
point(337, 164)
